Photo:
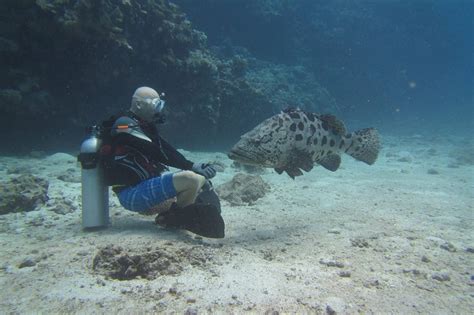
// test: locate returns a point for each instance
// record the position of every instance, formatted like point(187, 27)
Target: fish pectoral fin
point(301, 159)
point(293, 172)
point(298, 160)
point(306, 165)
point(331, 162)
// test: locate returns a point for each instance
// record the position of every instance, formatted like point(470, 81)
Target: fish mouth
point(240, 157)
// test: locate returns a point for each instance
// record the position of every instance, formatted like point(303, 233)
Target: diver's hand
point(204, 169)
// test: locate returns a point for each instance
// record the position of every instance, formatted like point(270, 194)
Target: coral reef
point(23, 193)
point(71, 175)
point(243, 189)
point(252, 169)
point(125, 264)
point(210, 105)
point(73, 63)
point(62, 205)
point(291, 86)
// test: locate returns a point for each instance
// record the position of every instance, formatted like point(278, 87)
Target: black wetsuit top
point(136, 152)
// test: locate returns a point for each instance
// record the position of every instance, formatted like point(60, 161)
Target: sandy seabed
point(395, 237)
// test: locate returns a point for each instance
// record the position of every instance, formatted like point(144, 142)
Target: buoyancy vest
point(123, 155)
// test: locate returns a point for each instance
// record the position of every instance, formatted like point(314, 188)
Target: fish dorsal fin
point(291, 109)
point(331, 162)
point(333, 123)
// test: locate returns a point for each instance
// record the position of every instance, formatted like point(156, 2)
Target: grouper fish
point(295, 140)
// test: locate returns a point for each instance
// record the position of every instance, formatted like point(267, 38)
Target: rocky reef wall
point(67, 64)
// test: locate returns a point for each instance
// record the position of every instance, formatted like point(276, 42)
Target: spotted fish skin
point(295, 140)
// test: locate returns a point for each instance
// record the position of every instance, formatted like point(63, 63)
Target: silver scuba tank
point(95, 193)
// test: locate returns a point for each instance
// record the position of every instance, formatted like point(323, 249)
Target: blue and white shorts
point(148, 193)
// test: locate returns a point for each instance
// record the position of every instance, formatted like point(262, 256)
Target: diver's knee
point(201, 181)
point(198, 180)
point(188, 180)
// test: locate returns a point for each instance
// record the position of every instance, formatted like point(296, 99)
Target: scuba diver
point(135, 159)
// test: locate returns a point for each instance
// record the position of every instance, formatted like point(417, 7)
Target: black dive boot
point(201, 219)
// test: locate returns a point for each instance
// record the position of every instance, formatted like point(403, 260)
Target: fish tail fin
point(365, 145)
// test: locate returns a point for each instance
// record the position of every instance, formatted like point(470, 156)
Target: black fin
point(300, 159)
point(293, 172)
point(333, 123)
point(331, 162)
point(201, 219)
point(297, 161)
point(209, 196)
point(306, 163)
point(279, 170)
point(291, 109)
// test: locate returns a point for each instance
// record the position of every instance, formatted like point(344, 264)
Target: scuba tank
point(95, 193)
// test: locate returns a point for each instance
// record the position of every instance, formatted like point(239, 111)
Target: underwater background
point(395, 237)
point(402, 66)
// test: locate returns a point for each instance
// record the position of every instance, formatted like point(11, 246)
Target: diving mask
point(156, 103)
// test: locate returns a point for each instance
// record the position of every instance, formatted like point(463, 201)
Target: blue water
point(406, 66)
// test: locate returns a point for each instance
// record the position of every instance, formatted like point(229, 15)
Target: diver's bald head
point(144, 102)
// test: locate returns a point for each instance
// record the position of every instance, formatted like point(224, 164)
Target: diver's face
point(148, 108)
